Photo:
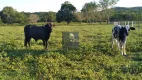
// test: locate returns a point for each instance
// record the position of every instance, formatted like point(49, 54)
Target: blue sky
point(54, 5)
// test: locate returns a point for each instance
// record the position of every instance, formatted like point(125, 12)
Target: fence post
point(132, 24)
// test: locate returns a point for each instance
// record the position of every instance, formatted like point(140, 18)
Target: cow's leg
point(29, 41)
point(121, 47)
point(25, 42)
point(112, 42)
point(118, 44)
point(43, 43)
point(124, 51)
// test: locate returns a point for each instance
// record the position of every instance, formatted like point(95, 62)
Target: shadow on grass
point(137, 56)
point(32, 66)
point(34, 52)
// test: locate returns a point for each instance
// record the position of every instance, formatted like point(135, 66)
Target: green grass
point(93, 60)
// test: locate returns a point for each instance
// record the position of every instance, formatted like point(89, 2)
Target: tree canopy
point(91, 12)
point(107, 8)
point(66, 12)
point(10, 15)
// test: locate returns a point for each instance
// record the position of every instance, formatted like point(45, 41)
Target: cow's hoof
point(124, 54)
point(46, 49)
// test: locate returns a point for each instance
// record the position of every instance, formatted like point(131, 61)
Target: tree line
point(90, 13)
point(9, 15)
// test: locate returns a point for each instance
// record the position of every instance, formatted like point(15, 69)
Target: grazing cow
point(119, 34)
point(37, 32)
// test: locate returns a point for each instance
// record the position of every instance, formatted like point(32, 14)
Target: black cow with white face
point(119, 35)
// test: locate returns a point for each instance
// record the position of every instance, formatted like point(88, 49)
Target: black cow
point(37, 32)
point(119, 34)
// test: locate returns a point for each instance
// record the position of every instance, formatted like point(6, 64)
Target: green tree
point(85, 12)
point(8, 14)
point(89, 10)
point(79, 16)
point(51, 16)
point(33, 18)
point(46, 16)
point(106, 6)
point(21, 18)
point(43, 16)
point(66, 13)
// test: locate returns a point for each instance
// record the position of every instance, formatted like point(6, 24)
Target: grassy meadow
point(94, 60)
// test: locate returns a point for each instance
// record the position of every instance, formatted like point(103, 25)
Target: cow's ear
point(132, 28)
point(50, 24)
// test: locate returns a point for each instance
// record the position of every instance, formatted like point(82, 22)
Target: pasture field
point(94, 60)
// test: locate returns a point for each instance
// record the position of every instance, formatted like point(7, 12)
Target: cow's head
point(125, 30)
point(48, 26)
point(128, 28)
